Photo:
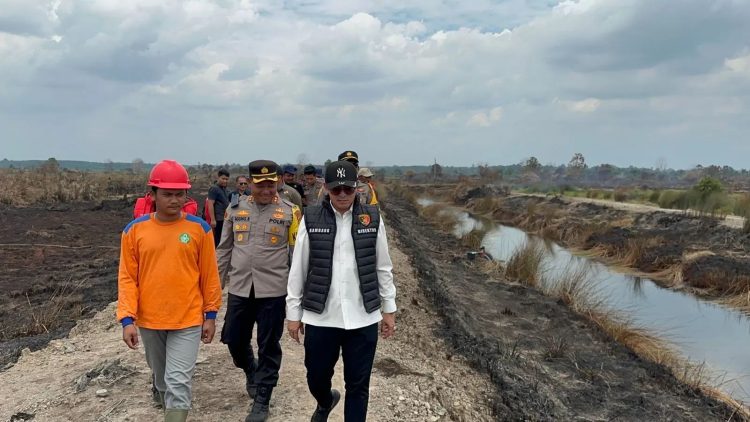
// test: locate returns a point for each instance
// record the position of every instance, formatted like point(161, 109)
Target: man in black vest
point(340, 287)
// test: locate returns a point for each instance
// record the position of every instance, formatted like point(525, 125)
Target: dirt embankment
point(547, 362)
point(675, 248)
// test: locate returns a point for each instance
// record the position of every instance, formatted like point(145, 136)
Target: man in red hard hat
point(168, 286)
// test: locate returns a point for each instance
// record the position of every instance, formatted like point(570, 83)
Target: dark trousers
point(322, 348)
point(242, 314)
point(217, 232)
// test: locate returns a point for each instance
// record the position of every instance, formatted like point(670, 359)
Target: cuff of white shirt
point(389, 306)
point(294, 314)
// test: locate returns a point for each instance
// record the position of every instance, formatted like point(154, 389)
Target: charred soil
point(546, 362)
point(677, 249)
point(59, 265)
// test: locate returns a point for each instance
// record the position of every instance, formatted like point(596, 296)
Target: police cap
point(261, 170)
point(349, 156)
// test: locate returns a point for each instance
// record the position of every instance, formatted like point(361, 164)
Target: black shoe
point(259, 412)
point(321, 414)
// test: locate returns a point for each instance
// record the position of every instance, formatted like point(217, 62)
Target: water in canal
point(699, 330)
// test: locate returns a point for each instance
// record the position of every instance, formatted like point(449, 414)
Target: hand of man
point(209, 329)
point(388, 325)
point(130, 336)
point(213, 224)
point(295, 328)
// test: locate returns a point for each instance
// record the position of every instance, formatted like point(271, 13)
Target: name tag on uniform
point(318, 230)
point(367, 230)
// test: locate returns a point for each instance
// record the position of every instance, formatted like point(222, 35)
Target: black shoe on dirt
point(259, 412)
point(321, 414)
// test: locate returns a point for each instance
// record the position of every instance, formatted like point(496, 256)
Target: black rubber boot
point(259, 412)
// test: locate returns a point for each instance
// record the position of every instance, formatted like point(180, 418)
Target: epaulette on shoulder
point(288, 202)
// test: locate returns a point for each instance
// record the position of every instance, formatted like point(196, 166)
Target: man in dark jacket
point(337, 299)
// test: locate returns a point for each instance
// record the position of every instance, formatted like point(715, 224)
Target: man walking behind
point(168, 286)
point(340, 281)
point(217, 203)
point(313, 187)
point(254, 251)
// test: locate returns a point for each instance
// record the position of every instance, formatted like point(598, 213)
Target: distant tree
point(661, 164)
point(50, 166)
point(302, 159)
point(328, 161)
point(409, 175)
point(532, 165)
point(707, 186)
point(576, 165)
point(109, 166)
point(137, 166)
point(604, 171)
point(487, 174)
point(436, 171)
point(578, 161)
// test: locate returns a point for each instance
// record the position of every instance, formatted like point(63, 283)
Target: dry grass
point(27, 187)
point(64, 304)
point(485, 206)
point(575, 288)
point(526, 264)
point(473, 239)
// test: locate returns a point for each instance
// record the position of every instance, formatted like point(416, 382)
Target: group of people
point(324, 267)
point(301, 189)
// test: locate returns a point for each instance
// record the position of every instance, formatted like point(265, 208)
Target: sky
point(460, 82)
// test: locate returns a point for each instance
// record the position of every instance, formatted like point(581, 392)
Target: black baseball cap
point(309, 170)
point(349, 156)
point(261, 170)
point(341, 173)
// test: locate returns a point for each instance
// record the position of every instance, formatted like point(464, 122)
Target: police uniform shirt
point(364, 191)
point(255, 244)
point(313, 194)
point(290, 194)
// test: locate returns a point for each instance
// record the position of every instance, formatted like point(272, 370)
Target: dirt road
point(416, 377)
point(732, 221)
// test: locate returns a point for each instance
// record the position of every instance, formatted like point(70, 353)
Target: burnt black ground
point(510, 332)
point(72, 278)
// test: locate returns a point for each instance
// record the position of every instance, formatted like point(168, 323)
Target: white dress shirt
point(344, 306)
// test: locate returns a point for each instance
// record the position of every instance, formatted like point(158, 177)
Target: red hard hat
point(169, 174)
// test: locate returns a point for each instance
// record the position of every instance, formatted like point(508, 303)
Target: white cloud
point(589, 105)
point(440, 71)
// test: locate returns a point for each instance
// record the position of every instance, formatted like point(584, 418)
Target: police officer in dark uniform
point(259, 234)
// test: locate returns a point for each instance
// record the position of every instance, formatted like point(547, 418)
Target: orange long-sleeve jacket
point(168, 276)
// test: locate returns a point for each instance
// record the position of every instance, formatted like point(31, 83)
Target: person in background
point(290, 178)
point(288, 192)
point(313, 187)
point(217, 203)
point(364, 190)
point(364, 175)
point(168, 287)
point(241, 189)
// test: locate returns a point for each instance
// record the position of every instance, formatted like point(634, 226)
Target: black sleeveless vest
point(320, 222)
